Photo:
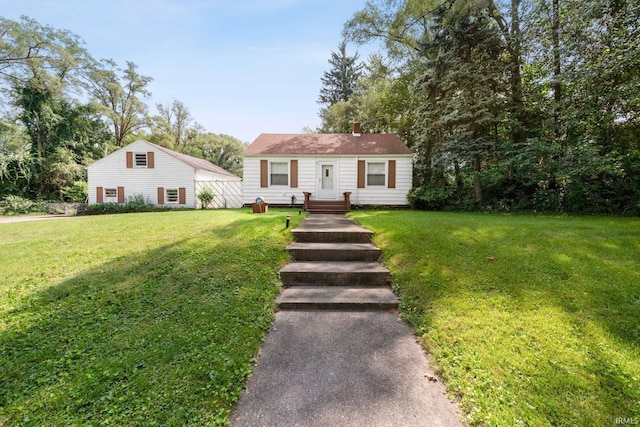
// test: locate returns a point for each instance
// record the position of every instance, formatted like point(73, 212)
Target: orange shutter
point(120, 194)
point(264, 173)
point(161, 195)
point(362, 170)
point(99, 195)
point(294, 173)
point(391, 181)
point(129, 159)
point(150, 159)
point(182, 196)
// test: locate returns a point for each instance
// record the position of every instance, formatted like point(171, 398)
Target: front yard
point(155, 318)
point(532, 320)
point(134, 319)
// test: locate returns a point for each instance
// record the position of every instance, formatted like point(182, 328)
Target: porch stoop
point(338, 207)
point(335, 268)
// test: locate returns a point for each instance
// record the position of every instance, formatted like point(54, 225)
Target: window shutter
point(264, 173)
point(129, 159)
point(99, 195)
point(294, 173)
point(150, 160)
point(161, 195)
point(362, 170)
point(182, 196)
point(391, 179)
point(120, 194)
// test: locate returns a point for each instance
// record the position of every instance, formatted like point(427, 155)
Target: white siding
point(168, 172)
point(381, 195)
point(347, 174)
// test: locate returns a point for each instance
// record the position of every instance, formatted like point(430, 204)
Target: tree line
point(63, 110)
point(526, 105)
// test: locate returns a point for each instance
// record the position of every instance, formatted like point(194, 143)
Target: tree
point(340, 81)
point(37, 55)
point(174, 127)
point(119, 93)
point(462, 87)
point(221, 150)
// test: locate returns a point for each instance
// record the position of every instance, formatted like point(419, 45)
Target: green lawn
point(155, 318)
point(136, 319)
point(531, 320)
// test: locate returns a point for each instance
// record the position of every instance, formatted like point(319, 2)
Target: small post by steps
point(288, 220)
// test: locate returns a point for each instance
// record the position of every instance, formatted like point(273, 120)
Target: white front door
point(326, 183)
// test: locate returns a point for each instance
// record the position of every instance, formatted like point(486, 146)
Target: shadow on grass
point(531, 312)
point(162, 337)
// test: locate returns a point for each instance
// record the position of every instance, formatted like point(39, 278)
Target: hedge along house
point(355, 169)
point(162, 177)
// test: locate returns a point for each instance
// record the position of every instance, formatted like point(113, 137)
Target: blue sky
point(242, 67)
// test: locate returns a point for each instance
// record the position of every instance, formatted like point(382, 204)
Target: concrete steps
point(338, 298)
point(335, 268)
point(334, 273)
point(334, 252)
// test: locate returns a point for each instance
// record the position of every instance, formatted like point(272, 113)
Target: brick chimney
point(356, 129)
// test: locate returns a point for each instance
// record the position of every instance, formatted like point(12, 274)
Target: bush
point(135, 203)
point(206, 197)
point(77, 192)
point(16, 205)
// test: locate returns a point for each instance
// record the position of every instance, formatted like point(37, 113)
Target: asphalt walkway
point(342, 368)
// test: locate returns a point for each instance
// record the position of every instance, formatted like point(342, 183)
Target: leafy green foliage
point(340, 81)
point(221, 150)
point(118, 93)
point(520, 106)
point(76, 192)
point(16, 205)
point(205, 196)
point(142, 319)
point(530, 320)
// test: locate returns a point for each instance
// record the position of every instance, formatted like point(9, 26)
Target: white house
point(376, 169)
point(162, 177)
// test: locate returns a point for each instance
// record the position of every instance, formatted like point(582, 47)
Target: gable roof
point(328, 144)
point(194, 162)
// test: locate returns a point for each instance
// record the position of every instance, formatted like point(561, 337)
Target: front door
point(326, 184)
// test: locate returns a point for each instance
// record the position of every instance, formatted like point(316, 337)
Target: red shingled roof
point(328, 144)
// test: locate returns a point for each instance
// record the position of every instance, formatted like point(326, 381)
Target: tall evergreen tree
point(340, 81)
point(463, 86)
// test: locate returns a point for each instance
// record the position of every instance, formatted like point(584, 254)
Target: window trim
point(169, 199)
point(384, 174)
point(113, 198)
point(286, 173)
point(136, 162)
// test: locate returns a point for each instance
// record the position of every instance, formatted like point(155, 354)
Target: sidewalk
point(342, 368)
point(327, 368)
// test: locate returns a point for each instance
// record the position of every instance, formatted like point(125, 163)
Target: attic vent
point(356, 129)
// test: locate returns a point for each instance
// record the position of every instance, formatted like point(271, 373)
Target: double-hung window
point(279, 173)
point(376, 173)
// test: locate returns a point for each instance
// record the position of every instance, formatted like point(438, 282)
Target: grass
point(531, 320)
point(136, 319)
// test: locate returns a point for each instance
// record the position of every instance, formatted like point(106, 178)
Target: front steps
point(335, 268)
point(327, 207)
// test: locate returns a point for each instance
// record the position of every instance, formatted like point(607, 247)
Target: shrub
point(206, 197)
point(16, 205)
point(76, 192)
